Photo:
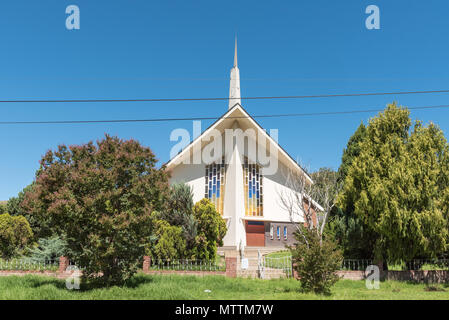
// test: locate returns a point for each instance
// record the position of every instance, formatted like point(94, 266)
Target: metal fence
point(415, 264)
point(427, 264)
point(28, 265)
point(188, 265)
point(281, 263)
point(356, 264)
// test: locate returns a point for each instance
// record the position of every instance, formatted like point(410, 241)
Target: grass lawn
point(192, 287)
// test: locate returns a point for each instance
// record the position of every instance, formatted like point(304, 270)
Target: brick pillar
point(63, 264)
point(231, 267)
point(294, 272)
point(146, 264)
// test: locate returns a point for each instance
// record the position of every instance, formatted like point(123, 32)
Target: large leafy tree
point(99, 197)
point(397, 186)
point(356, 239)
point(352, 151)
point(3, 207)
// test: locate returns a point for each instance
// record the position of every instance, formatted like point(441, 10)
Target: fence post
point(146, 264)
point(231, 267)
point(63, 264)
point(294, 272)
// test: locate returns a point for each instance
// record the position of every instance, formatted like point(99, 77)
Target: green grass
point(192, 287)
point(279, 254)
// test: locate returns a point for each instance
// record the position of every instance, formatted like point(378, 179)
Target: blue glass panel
point(210, 193)
point(218, 192)
point(215, 189)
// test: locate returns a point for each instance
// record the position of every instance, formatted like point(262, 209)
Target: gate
point(264, 267)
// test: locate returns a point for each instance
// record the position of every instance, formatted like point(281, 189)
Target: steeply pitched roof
point(235, 113)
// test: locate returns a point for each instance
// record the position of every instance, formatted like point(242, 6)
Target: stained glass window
point(215, 184)
point(252, 181)
point(285, 233)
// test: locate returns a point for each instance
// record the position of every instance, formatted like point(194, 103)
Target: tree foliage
point(178, 211)
point(3, 208)
point(99, 198)
point(48, 249)
point(316, 261)
point(355, 238)
point(15, 234)
point(170, 242)
point(398, 184)
point(211, 230)
point(39, 224)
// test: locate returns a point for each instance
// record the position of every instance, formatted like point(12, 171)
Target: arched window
point(215, 184)
point(252, 182)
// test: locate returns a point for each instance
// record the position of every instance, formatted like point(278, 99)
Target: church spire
point(234, 85)
point(235, 53)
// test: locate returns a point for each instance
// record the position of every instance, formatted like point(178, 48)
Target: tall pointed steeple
point(234, 85)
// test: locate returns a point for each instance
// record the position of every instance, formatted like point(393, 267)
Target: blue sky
point(184, 49)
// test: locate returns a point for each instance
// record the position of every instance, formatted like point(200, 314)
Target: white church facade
point(243, 170)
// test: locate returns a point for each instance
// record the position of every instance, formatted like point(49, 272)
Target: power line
point(212, 118)
point(220, 99)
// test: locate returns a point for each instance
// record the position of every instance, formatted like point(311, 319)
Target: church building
point(243, 170)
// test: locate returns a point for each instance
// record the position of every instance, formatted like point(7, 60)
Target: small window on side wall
point(285, 233)
point(278, 231)
point(271, 232)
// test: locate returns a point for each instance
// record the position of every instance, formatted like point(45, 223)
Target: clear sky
point(184, 49)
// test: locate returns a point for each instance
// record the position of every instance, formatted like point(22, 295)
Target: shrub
point(99, 197)
point(315, 263)
point(210, 231)
point(170, 242)
point(48, 249)
point(15, 233)
point(179, 212)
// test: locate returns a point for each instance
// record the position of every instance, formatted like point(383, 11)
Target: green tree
point(179, 212)
point(99, 198)
point(211, 230)
point(354, 237)
point(397, 185)
point(39, 224)
point(316, 261)
point(170, 242)
point(352, 151)
point(15, 233)
point(48, 249)
point(3, 207)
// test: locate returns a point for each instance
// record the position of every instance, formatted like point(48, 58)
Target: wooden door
point(255, 234)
